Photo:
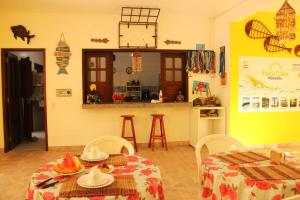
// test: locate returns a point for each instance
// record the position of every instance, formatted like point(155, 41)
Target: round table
point(221, 180)
point(146, 175)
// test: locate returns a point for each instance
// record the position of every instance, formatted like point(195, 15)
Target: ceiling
point(204, 7)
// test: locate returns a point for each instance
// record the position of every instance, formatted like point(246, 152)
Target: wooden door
point(173, 76)
point(98, 67)
point(25, 64)
point(12, 101)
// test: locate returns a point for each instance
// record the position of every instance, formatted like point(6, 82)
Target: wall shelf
point(205, 125)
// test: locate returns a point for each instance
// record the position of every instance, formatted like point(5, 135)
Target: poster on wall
point(269, 84)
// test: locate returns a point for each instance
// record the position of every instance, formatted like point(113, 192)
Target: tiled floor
point(38, 145)
point(178, 168)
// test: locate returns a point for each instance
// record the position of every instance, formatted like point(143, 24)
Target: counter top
point(136, 105)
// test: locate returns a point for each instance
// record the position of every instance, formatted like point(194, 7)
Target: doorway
point(24, 99)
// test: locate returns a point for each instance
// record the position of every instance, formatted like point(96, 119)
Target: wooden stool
point(129, 138)
point(162, 135)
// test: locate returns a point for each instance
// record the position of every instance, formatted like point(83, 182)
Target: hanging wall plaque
point(222, 72)
point(286, 23)
point(63, 55)
point(136, 58)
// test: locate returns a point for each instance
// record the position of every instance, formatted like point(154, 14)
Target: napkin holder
point(277, 156)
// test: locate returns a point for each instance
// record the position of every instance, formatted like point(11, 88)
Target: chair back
point(212, 144)
point(110, 144)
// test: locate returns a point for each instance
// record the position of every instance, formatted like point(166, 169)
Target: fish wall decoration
point(172, 42)
point(256, 29)
point(272, 44)
point(21, 32)
point(63, 55)
point(104, 40)
point(297, 50)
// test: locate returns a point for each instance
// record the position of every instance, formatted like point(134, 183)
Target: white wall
point(149, 76)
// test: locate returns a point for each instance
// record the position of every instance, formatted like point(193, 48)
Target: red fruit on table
point(68, 161)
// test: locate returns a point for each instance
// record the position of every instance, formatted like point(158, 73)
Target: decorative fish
point(104, 40)
point(297, 50)
point(272, 44)
point(63, 54)
point(21, 32)
point(256, 29)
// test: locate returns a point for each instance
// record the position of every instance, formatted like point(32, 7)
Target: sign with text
point(63, 92)
point(269, 84)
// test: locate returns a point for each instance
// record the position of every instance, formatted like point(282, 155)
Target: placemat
point(123, 185)
point(275, 172)
point(242, 157)
point(113, 159)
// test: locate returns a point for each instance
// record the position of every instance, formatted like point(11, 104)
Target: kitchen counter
point(136, 105)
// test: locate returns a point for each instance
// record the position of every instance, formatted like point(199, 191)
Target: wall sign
point(269, 84)
point(63, 92)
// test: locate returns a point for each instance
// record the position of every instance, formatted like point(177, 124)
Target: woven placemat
point(113, 159)
point(274, 172)
point(242, 157)
point(123, 185)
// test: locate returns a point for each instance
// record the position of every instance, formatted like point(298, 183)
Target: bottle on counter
point(160, 96)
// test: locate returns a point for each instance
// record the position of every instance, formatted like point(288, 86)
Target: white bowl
point(106, 179)
point(101, 156)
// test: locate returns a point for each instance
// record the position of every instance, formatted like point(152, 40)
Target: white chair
point(110, 144)
point(213, 144)
point(296, 197)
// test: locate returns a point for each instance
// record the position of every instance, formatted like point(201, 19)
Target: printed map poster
point(269, 84)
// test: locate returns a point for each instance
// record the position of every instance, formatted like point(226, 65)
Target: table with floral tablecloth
point(146, 175)
point(222, 180)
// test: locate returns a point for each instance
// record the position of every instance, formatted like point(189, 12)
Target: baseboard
point(66, 148)
point(1, 150)
point(284, 145)
point(170, 144)
point(79, 148)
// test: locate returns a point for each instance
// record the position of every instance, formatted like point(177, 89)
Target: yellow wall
point(258, 128)
point(68, 123)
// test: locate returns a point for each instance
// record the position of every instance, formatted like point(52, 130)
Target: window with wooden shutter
point(173, 75)
point(98, 70)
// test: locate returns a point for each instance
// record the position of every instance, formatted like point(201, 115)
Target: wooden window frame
point(84, 71)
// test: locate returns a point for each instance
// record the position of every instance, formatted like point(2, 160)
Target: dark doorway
point(24, 106)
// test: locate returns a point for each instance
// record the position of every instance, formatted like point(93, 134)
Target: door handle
point(7, 100)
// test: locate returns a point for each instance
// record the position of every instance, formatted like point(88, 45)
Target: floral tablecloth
point(146, 174)
point(221, 180)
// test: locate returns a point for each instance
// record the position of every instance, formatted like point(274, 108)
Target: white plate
point(110, 170)
point(81, 170)
point(102, 156)
point(82, 181)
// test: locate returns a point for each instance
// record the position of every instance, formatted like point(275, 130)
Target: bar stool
point(129, 138)
point(162, 135)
